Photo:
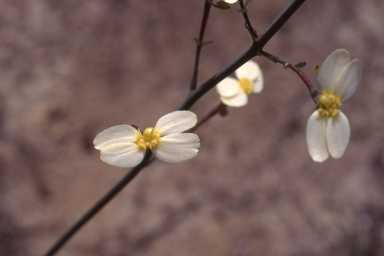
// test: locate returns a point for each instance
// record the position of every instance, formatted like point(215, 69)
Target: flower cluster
point(234, 92)
point(328, 129)
point(125, 146)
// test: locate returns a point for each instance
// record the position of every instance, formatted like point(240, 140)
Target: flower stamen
point(328, 103)
point(246, 85)
point(149, 139)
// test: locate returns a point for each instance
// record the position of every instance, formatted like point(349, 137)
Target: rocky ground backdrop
point(71, 68)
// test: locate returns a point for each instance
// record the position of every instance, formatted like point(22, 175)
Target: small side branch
point(312, 90)
point(210, 114)
point(248, 23)
point(200, 44)
point(213, 4)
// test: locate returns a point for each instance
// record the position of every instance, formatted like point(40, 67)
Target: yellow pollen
point(328, 103)
point(149, 139)
point(246, 85)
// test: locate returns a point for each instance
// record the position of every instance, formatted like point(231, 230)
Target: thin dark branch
point(251, 52)
point(211, 3)
point(248, 23)
point(98, 206)
point(312, 89)
point(280, 21)
point(200, 44)
point(210, 114)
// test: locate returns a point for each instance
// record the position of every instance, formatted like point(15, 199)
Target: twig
point(248, 23)
point(210, 114)
point(98, 206)
point(280, 21)
point(200, 44)
point(251, 52)
point(312, 89)
point(213, 4)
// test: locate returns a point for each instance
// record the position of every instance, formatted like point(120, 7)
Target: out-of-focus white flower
point(234, 92)
point(125, 146)
point(230, 1)
point(328, 129)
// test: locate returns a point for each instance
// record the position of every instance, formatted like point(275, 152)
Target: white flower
point(125, 146)
point(234, 92)
point(328, 129)
point(230, 1)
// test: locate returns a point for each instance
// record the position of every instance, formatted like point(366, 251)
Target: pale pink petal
point(177, 147)
point(349, 80)
point(228, 87)
point(331, 68)
point(176, 122)
point(316, 137)
point(338, 134)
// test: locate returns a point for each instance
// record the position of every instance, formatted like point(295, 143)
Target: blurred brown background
point(71, 68)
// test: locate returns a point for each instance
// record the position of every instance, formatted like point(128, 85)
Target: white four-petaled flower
point(234, 92)
point(125, 146)
point(328, 129)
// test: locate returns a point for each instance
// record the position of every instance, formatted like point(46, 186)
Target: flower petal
point(349, 80)
point(338, 134)
point(176, 122)
point(117, 146)
point(122, 155)
point(230, 1)
point(250, 70)
point(331, 68)
point(228, 87)
point(258, 84)
point(316, 137)
point(239, 100)
point(177, 147)
point(117, 134)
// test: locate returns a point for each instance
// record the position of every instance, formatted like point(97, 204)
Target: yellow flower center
point(149, 139)
point(328, 103)
point(246, 85)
